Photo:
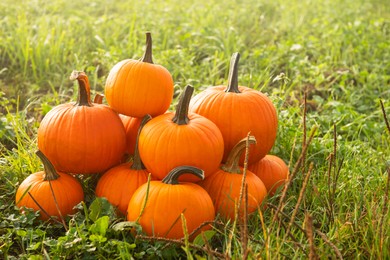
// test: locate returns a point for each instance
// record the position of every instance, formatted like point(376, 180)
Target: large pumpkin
point(272, 170)
point(224, 186)
point(119, 183)
point(37, 190)
point(139, 87)
point(237, 110)
point(181, 138)
point(166, 200)
point(82, 137)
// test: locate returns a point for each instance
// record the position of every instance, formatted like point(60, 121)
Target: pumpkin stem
point(137, 162)
point(50, 172)
point(98, 98)
point(233, 74)
point(232, 162)
point(148, 57)
point(181, 114)
point(172, 177)
point(84, 98)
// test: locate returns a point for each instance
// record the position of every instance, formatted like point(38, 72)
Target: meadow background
point(333, 54)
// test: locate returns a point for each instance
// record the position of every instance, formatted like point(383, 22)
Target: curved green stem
point(181, 114)
point(148, 57)
point(84, 98)
point(137, 162)
point(173, 176)
point(232, 162)
point(233, 74)
point(50, 172)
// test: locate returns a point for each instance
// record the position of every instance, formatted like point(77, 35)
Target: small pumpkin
point(181, 138)
point(166, 200)
point(37, 190)
point(139, 87)
point(237, 110)
point(82, 137)
point(119, 183)
point(131, 125)
point(272, 170)
point(224, 186)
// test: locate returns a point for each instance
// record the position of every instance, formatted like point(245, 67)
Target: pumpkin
point(181, 138)
point(224, 186)
point(119, 183)
point(82, 137)
point(139, 87)
point(237, 110)
point(37, 190)
point(157, 206)
point(131, 125)
point(272, 170)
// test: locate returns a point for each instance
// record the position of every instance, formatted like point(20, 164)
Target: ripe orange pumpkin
point(166, 200)
point(35, 192)
point(119, 183)
point(139, 87)
point(272, 170)
point(82, 137)
point(181, 138)
point(237, 110)
point(224, 186)
point(131, 125)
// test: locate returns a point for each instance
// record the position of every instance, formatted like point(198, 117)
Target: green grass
point(335, 51)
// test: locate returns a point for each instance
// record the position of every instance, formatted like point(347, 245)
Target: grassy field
point(336, 54)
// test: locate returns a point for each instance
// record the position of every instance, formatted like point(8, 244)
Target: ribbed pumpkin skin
point(236, 114)
point(67, 190)
point(272, 170)
point(224, 190)
point(82, 139)
point(164, 145)
point(165, 204)
point(131, 125)
point(118, 184)
point(136, 88)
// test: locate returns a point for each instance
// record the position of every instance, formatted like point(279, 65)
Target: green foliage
point(334, 53)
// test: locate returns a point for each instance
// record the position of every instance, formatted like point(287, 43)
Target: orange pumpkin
point(272, 170)
point(131, 125)
point(82, 137)
point(166, 200)
point(224, 186)
point(181, 138)
point(237, 110)
point(118, 184)
point(37, 190)
point(139, 87)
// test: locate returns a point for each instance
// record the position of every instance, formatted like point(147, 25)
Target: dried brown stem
point(57, 207)
point(310, 236)
point(291, 177)
point(300, 198)
point(304, 128)
point(322, 235)
point(385, 116)
point(384, 211)
point(181, 243)
point(333, 246)
point(42, 209)
point(244, 226)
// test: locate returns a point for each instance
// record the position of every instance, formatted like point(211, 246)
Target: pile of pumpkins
point(186, 166)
